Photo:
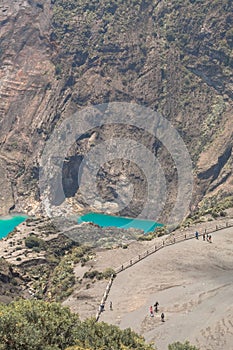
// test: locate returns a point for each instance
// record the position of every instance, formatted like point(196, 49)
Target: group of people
point(205, 236)
point(152, 311)
point(155, 310)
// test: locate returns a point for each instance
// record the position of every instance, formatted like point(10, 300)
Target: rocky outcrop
point(59, 57)
point(11, 284)
point(7, 196)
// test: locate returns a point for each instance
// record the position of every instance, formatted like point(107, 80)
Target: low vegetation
point(180, 346)
point(53, 279)
point(210, 209)
point(62, 279)
point(32, 241)
point(107, 273)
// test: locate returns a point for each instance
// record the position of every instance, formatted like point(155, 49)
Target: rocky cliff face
point(58, 57)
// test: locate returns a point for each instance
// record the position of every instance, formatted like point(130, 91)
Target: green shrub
point(99, 275)
point(62, 280)
point(180, 346)
point(92, 274)
point(14, 282)
point(109, 272)
point(33, 241)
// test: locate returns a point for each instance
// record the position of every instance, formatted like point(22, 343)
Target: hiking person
point(110, 305)
point(151, 311)
point(196, 235)
point(210, 239)
point(203, 236)
point(162, 317)
point(156, 306)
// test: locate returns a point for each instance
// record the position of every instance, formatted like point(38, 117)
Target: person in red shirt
point(151, 311)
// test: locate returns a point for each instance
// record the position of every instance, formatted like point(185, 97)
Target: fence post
point(130, 262)
point(139, 257)
point(155, 248)
point(185, 236)
point(216, 227)
point(226, 224)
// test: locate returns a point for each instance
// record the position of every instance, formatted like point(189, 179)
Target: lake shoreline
point(9, 223)
point(106, 220)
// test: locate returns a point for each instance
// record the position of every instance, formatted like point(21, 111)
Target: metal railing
point(104, 298)
point(170, 240)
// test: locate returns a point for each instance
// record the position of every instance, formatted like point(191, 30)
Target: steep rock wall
point(58, 57)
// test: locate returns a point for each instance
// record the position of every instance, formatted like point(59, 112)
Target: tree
point(98, 336)
point(36, 325)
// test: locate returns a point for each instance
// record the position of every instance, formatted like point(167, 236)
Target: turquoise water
point(8, 224)
point(104, 220)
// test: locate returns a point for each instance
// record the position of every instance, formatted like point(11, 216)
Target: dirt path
point(193, 282)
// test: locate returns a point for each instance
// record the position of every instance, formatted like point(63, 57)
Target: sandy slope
point(193, 282)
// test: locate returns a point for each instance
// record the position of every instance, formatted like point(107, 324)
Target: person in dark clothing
point(156, 306)
point(162, 317)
